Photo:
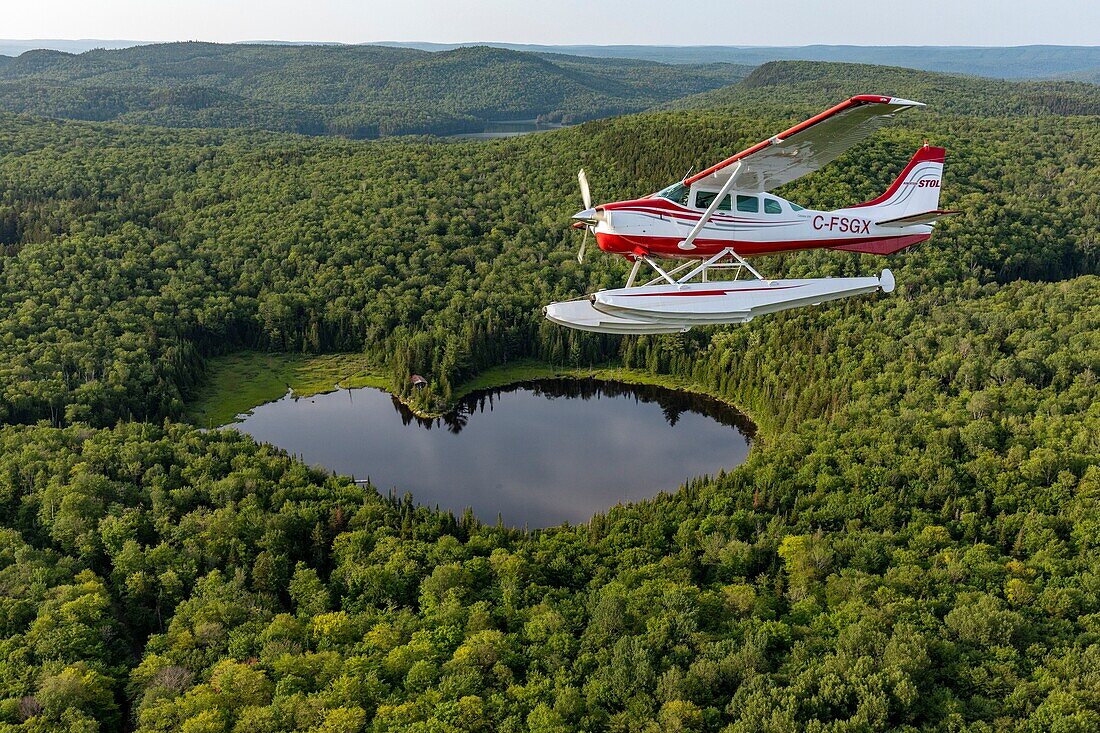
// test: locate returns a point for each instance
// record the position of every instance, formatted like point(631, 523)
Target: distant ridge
point(14, 47)
point(807, 85)
point(354, 91)
point(1003, 62)
point(361, 91)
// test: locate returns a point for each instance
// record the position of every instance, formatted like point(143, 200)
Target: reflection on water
point(672, 403)
point(538, 453)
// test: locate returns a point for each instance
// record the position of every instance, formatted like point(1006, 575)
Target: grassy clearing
point(239, 382)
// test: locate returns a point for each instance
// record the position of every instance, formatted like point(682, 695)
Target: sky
point(603, 22)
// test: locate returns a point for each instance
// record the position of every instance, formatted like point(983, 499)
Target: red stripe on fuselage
point(666, 246)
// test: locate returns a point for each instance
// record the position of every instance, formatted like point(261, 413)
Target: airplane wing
point(807, 146)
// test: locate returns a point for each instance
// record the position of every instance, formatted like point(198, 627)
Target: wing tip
point(884, 99)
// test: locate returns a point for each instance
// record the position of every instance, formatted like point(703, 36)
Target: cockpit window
point(771, 206)
point(677, 192)
point(703, 199)
point(750, 204)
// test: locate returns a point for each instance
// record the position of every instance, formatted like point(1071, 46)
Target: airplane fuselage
point(725, 213)
point(751, 223)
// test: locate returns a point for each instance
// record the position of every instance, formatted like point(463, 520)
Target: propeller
point(586, 197)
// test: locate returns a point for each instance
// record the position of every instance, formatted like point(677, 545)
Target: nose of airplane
point(586, 215)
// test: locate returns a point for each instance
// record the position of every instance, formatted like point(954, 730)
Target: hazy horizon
point(985, 23)
point(490, 41)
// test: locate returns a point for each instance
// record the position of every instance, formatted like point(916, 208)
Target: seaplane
point(719, 217)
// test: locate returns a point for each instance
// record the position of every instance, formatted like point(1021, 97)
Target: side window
point(771, 206)
point(703, 199)
point(796, 207)
point(750, 204)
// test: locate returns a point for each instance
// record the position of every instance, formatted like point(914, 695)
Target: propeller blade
point(586, 195)
point(584, 243)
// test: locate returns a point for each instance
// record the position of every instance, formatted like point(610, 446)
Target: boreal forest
point(912, 545)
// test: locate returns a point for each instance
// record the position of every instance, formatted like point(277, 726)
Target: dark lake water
point(538, 453)
point(507, 128)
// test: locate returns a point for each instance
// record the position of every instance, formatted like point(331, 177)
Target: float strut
point(664, 275)
point(706, 264)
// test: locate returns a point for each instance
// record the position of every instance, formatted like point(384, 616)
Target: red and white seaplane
point(721, 215)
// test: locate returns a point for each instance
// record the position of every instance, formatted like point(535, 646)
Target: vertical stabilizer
point(916, 190)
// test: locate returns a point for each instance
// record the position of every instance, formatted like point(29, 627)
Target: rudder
point(916, 190)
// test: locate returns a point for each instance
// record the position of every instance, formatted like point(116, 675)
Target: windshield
point(677, 192)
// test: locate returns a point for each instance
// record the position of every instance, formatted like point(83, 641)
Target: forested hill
point(816, 84)
point(355, 91)
point(1000, 62)
point(1004, 62)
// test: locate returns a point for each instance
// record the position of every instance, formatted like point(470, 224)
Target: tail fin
point(911, 201)
point(916, 190)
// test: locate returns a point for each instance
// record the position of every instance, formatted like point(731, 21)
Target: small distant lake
point(539, 453)
point(507, 128)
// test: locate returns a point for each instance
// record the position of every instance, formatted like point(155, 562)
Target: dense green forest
point(353, 91)
point(1089, 75)
point(133, 263)
point(912, 544)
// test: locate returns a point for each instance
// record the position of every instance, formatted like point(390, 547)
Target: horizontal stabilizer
point(925, 217)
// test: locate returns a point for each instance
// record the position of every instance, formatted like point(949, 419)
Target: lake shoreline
point(358, 372)
point(538, 452)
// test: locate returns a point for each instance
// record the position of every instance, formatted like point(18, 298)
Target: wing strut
point(726, 188)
